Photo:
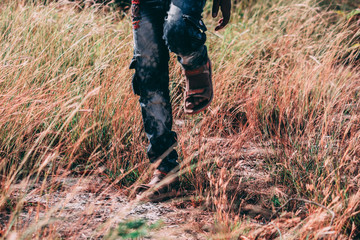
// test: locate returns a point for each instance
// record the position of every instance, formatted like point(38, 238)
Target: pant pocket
point(135, 79)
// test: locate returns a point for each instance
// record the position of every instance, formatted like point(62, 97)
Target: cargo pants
point(160, 26)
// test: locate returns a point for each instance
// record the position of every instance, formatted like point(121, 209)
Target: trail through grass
point(287, 89)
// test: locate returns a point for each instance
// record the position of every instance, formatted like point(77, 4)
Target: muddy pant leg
point(151, 79)
point(184, 32)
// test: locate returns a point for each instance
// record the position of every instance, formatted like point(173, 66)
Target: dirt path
point(88, 207)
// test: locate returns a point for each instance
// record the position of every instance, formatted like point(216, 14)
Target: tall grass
point(286, 79)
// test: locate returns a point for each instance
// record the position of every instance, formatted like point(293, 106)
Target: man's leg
point(151, 80)
point(184, 33)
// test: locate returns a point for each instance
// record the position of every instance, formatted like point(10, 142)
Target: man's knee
point(183, 33)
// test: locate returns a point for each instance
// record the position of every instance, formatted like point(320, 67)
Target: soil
point(89, 207)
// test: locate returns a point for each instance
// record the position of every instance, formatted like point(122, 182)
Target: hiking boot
point(160, 186)
point(157, 177)
point(199, 89)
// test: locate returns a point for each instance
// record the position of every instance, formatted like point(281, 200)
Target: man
point(160, 26)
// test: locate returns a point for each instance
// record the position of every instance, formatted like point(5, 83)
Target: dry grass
point(287, 80)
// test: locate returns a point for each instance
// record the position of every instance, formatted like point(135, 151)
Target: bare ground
point(88, 207)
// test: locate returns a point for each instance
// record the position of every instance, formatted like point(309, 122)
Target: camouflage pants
point(160, 26)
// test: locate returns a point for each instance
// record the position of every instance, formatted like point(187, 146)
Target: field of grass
point(287, 82)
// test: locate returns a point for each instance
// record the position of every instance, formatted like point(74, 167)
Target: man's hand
point(225, 6)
